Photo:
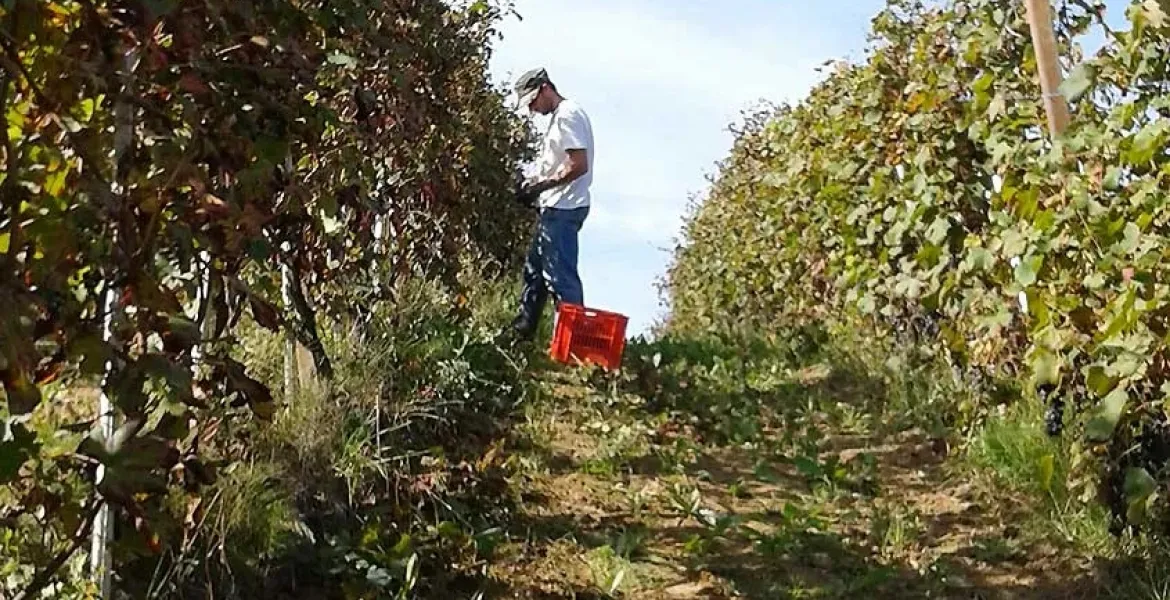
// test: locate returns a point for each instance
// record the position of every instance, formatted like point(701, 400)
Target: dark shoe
point(524, 330)
point(518, 331)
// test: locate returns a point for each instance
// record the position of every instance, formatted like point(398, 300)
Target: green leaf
point(1105, 416)
point(808, 467)
point(937, 233)
point(449, 530)
point(17, 445)
point(1132, 238)
point(980, 258)
point(340, 58)
point(1155, 12)
point(271, 150)
point(92, 352)
point(173, 427)
point(1112, 180)
point(177, 377)
point(1139, 488)
point(259, 249)
point(55, 182)
point(179, 333)
point(1028, 269)
point(1146, 143)
point(87, 108)
point(11, 459)
point(370, 536)
point(403, 547)
point(996, 107)
point(1099, 382)
point(1046, 468)
point(1082, 79)
point(1045, 367)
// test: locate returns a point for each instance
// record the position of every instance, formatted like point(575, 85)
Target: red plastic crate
point(588, 335)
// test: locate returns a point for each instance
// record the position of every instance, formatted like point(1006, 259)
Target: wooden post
point(1044, 40)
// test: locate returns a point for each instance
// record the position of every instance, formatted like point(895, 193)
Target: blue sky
point(661, 81)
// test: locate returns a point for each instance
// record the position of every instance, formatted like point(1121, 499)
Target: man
point(560, 189)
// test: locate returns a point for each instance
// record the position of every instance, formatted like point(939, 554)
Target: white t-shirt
point(568, 129)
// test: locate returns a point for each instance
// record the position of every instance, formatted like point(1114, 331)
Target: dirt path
point(618, 503)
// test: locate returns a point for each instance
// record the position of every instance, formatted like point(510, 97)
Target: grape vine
point(164, 160)
point(917, 191)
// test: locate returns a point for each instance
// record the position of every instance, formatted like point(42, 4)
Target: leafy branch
point(49, 571)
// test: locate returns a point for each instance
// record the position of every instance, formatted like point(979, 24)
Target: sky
point(662, 80)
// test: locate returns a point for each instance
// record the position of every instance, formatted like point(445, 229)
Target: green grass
point(318, 494)
point(255, 517)
point(1012, 455)
point(1012, 450)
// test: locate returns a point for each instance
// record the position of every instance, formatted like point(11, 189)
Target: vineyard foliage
point(163, 161)
point(916, 191)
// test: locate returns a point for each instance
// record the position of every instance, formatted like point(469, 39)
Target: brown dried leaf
point(265, 313)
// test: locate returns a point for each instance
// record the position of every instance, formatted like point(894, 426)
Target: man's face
point(543, 102)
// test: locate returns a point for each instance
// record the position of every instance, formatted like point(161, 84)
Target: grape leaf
point(1045, 367)
point(1028, 269)
point(1078, 83)
point(23, 394)
point(17, 445)
point(1139, 487)
point(1104, 418)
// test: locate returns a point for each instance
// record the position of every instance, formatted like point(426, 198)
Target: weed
point(685, 499)
point(1013, 451)
point(637, 501)
point(894, 530)
point(993, 549)
point(619, 446)
point(1144, 574)
point(611, 572)
point(254, 513)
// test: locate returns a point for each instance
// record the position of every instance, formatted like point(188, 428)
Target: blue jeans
point(551, 266)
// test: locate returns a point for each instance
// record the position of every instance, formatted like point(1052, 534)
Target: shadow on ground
point(919, 533)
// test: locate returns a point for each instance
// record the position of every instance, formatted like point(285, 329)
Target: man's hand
point(576, 166)
point(527, 195)
point(536, 188)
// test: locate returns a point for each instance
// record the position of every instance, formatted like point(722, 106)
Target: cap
point(528, 86)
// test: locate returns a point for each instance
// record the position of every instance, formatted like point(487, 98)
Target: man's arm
point(576, 166)
point(573, 138)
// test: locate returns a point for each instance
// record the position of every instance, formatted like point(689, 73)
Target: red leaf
point(192, 84)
